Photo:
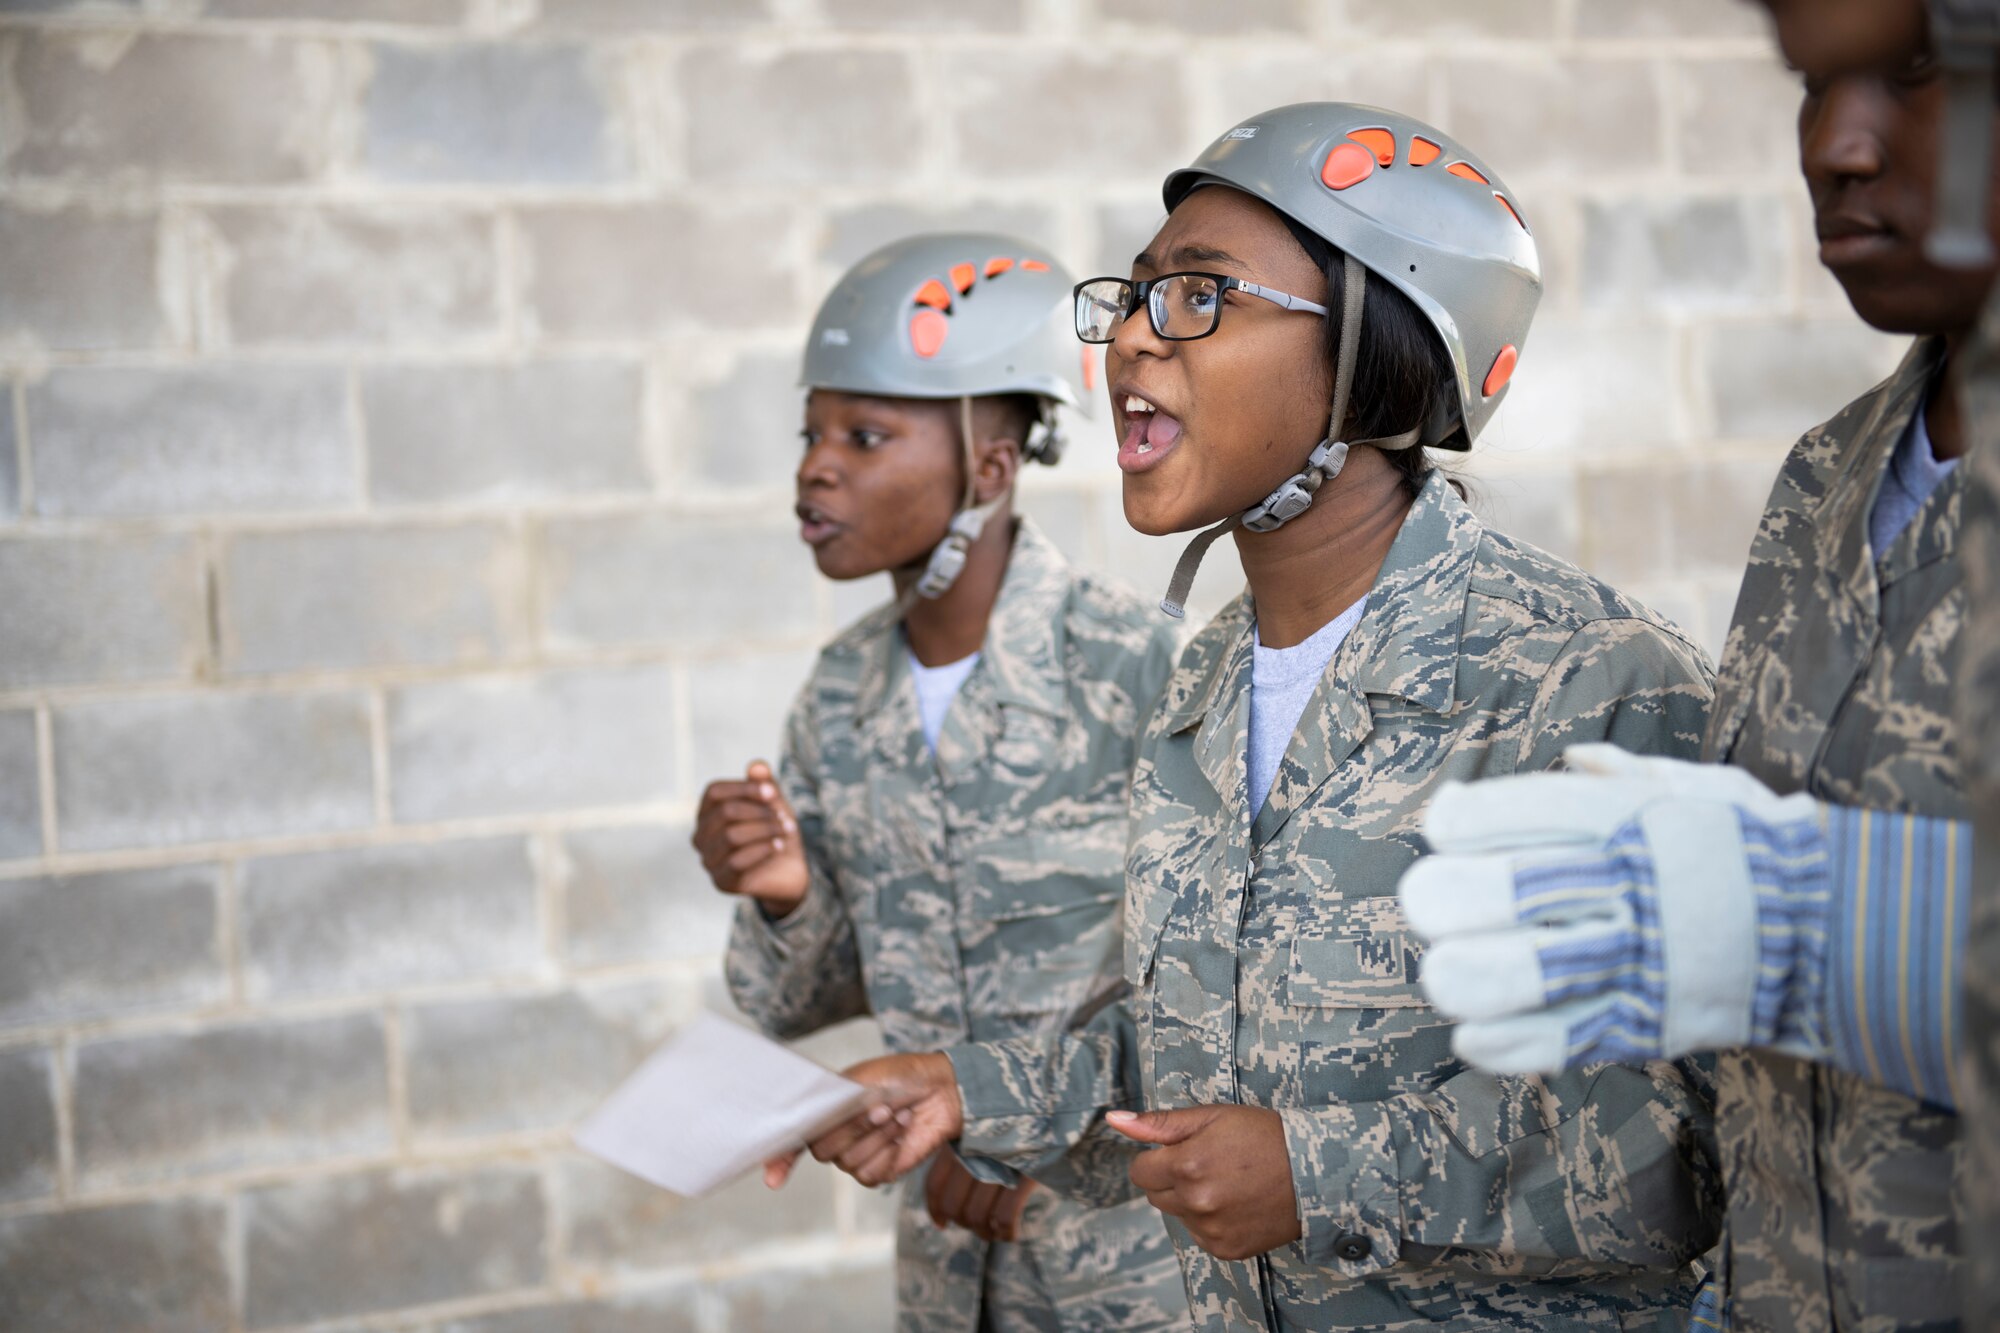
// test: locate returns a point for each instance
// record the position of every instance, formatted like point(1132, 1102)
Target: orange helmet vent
point(1466, 171)
point(1379, 142)
point(1511, 210)
point(1503, 370)
point(1348, 164)
point(1034, 266)
point(963, 276)
point(1422, 151)
point(927, 332)
point(934, 295)
point(996, 266)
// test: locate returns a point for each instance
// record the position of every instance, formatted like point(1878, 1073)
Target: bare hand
point(956, 1198)
point(1222, 1170)
point(748, 839)
point(918, 1113)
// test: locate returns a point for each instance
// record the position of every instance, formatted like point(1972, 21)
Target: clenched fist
point(748, 840)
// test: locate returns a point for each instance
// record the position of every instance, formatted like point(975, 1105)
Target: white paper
point(713, 1102)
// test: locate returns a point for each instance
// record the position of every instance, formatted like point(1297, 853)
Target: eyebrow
point(1190, 254)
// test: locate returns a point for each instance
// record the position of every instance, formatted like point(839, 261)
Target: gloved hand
point(1629, 909)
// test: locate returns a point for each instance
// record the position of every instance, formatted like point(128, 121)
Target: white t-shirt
point(1282, 681)
point(1914, 472)
point(936, 687)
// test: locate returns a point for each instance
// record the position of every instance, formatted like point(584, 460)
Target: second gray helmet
point(952, 315)
point(1417, 210)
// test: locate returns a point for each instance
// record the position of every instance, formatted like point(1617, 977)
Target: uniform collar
point(1021, 658)
point(1407, 643)
point(1840, 530)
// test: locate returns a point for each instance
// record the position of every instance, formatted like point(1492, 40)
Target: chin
point(1946, 303)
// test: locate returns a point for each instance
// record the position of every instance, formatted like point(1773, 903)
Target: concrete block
point(491, 113)
point(1682, 253)
point(27, 1108)
point(1035, 115)
point(155, 771)
point(475, 434)
point(621, 270)
point(1550, 115)
point(88, 105)
point(1676, 520)
point(636, 894)
point(1065, 514)
point(1778, 378)
point(852, 232)
point(834, 116)
point(1123, 231)
point(921, 16)
point(382, 1240)
point(737, 708)
point(516, 1063)
point(1261, 78)
point(158, 1265)
point(1683, 18)
point(1736, 117)
point(568, 740)
point(1251, 17)
point(670, 1309)
point(405, 13)
point(1504, 20)
point(744, 432)
point(20, 786)
point(10, 457)
point(1584, 386)
point(616, 1224)
point(172, 1105)
point(852, 1299)
point(327, 598)
point(638, 17)
point(390, 277)
point(379, 918)
point(668, 579)
point(102, 608)
point(229, 438)
point(79, 280)
point(80, 947)
point(1538, 505)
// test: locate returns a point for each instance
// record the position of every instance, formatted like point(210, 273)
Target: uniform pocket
point(1058, 863)
point(1356, 954)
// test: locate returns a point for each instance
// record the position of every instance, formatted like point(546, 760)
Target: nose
point(1840, 133)
point(1135, 336)
point(819, 468)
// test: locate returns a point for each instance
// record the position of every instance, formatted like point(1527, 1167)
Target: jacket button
point(1353, 1249)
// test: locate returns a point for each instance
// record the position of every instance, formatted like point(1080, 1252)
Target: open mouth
point(1147, 434)
point(816, 526)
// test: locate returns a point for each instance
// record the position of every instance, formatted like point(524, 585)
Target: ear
point(996, 462)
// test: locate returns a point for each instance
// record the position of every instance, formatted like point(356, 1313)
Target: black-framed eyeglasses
point(1181, 306)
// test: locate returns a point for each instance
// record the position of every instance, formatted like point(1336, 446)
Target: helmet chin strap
point(947, 560)
point(1295, 496)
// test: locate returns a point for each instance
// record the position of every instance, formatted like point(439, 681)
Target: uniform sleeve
point(797, 975)
point(1626, 681)
point(1608, 1163)
point(1035, 1106)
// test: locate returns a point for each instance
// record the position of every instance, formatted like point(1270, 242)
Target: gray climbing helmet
point(955, 315)
point(1404, 204)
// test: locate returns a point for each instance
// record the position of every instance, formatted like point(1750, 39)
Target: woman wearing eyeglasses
point(1335, 289)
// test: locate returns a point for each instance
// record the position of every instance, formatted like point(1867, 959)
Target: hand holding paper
point(713, 1102)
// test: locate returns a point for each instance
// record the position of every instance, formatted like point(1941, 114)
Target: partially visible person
point(1336, 289)
point(940, 844)
point(1801, 902)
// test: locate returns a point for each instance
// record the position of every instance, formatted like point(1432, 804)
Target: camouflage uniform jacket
point(1270, 966)
point(1838, 680)
point(975, 894)
point(1979, 723)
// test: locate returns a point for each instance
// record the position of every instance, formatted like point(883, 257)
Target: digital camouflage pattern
point(1838, 680)
point(975, 895)
point(1979, 763)
point(1270, 966)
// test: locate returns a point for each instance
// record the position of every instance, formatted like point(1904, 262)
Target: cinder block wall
point(394, 455)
